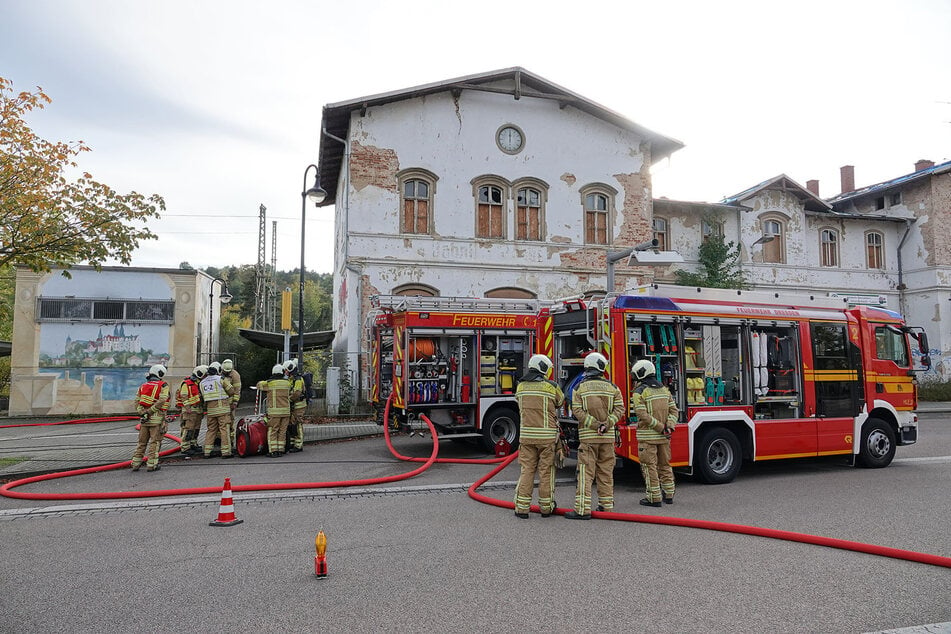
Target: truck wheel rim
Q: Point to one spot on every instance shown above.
(878, 444)
(720, 456)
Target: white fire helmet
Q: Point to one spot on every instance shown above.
(158, 370)
(541, 363)
(227, 365)
(200, 371)
(277, 369)
(216, 366)
(596, 361)
(643, 369)
(290, 366)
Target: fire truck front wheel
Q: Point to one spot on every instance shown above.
(718, 458)
(500, 423)
(878, 444)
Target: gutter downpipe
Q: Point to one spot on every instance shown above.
(346, 225)
(901, 272)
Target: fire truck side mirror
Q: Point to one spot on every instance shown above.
(923, 347)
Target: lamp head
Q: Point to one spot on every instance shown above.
(316, 194)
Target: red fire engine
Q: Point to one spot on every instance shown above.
(756, 375)
(457, 360)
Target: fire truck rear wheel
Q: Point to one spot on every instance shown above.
(718, 458)
(878, 444)
(500, 423)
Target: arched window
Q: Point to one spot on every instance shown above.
(774, 251)
(530, 196)
(491, 194)
(662, 233)
(416, 290)
(874, 250)
(510, 292)
(417, 187)
(598, 202)
(828, 247)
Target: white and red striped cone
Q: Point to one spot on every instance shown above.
(226, 509)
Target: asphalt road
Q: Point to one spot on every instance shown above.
(421, 556)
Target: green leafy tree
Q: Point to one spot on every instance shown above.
(719, 265)
(50, 218)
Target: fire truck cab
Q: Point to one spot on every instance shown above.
(755, 375)
(456, 360)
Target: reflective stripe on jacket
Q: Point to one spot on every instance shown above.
(594, 402)
(217, 392)
(298, 398)
(235, 379)
(278, 396)
(655, 409)
(538, 402)
(189, 396)
(153, 400)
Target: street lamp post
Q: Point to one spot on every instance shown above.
(316, 195)
(224, 297)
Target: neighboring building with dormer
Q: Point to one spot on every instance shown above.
(887, 244)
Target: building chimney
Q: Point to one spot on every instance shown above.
(847, 172)
(813, 187)
(923, 164)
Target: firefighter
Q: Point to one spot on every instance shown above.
(190, 404)
(295, 431)
(228, 372)
(278, 390)
(538, 401)
(598, 405)
(151, 403)
(217, 392)
(655, 412)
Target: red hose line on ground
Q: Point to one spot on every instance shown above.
(77, 421)
(6, 489)
(772, 533)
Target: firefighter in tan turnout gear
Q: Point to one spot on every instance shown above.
(217, 392)
(151, 403)
(656, 414)
(295, 431)
(228, 372)
(538, 401)
(278, 390)
(189, 401)
(598, 405)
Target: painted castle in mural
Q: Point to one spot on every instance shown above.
(116, 350)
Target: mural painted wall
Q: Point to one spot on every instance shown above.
(84, 345)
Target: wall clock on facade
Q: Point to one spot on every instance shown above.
(510, 139)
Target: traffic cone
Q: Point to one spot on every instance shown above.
(226, 509)
(320, 561)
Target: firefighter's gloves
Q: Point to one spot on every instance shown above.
(144, 418)
(601, 429)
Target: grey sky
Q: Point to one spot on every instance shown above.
(216, 105)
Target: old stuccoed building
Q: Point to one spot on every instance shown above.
(504, 184)
(501, 184)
